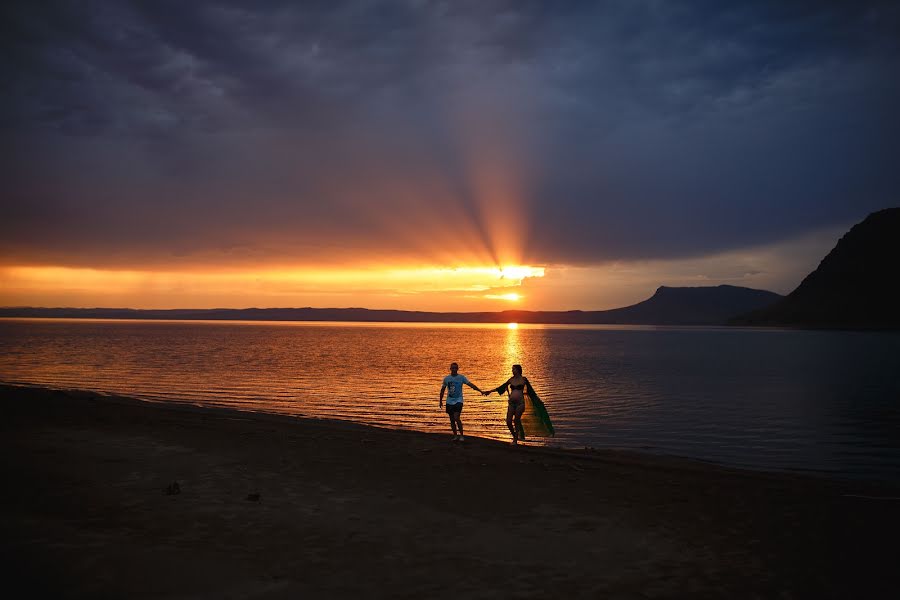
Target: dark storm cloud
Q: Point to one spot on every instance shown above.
(155, 131)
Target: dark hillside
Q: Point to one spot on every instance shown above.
(854, 287)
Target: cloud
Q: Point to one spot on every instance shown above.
(161, 133)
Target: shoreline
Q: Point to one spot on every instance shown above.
(621, 455)
(347, 509)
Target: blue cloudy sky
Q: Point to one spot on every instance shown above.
(660, 140)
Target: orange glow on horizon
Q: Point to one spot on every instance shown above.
(409, 288)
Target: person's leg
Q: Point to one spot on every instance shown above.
(452, 415)
(509, 423)
(520, 409)
(459, 424)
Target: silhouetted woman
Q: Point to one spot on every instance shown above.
(515, 388)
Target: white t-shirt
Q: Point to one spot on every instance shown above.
(454, 388)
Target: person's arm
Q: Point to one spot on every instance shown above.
(500, 389)
(441, 398)
(473, 386)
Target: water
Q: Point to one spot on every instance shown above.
(813, 401)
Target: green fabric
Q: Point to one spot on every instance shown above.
(535, 420)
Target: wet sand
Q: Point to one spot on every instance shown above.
(345, 510)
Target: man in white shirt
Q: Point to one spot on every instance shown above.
(453, 385)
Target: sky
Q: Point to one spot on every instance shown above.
(435, 155)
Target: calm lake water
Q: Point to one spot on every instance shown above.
(815, 401)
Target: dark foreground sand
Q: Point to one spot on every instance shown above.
(350, 511)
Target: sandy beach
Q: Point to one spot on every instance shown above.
(279, 507)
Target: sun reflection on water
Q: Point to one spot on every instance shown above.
(513, 354)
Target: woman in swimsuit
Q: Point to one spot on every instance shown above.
(515, 386)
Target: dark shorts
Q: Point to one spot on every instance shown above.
(454, 408)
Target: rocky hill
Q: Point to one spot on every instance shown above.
(854, 287)
(691, 306)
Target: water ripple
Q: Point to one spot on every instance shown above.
(785, 400)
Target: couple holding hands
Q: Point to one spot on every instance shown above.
(515, 386)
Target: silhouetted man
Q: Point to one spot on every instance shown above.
(453, 385)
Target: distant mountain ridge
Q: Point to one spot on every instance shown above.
(854, 287)
(692, 306)
(668, 306)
